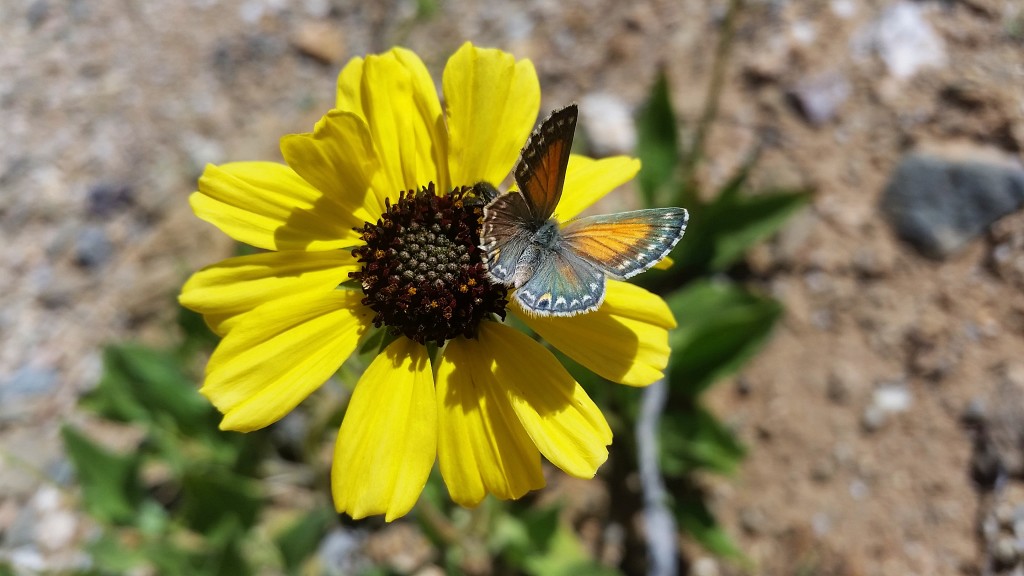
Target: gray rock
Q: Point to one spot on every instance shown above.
(939, 205)
(28, 381)
(92, 247)
(22, 531)
(37, 13)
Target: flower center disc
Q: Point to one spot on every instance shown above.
(423, 272)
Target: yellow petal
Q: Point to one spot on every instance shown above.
(350, 82)
(339, 159)
(482, 447)
(625, 340)
(268, 205)
(404, 115)
(564, 423)
(492, 104)
(429, 107)
(225, 291)
(665, 263)
(588, 180)
(279, 353)
(388, 439)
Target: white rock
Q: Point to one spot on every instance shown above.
(317, 8)
(858, 489)
(26, 559)
(705, 566)
(609, 124)
(906, 42)
(843, 8)
(804, 33)
(56, 530)
(46, 499)
(892, 398)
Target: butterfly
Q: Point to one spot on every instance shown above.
(560, 270)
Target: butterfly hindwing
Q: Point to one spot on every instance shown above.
(540, 173)
(628, 243)
(563, 284)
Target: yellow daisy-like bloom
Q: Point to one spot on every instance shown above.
(372, 223)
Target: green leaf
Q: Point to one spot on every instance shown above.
(745, 221)
(519, 535)
(145, 385)
(198, 335)
(111, 491)
(722, 231)
(114, 398)
(212, 497)
(720, 328)
(300, 540)
(657, 143)
(694, 439)
(223, 554)
(112, 555)
(565, 556)
(694, 518)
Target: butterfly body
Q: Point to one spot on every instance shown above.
(556, 269)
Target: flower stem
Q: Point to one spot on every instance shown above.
(722, 52)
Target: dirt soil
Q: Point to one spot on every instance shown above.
(863, 412)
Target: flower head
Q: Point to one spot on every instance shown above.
(374, 223)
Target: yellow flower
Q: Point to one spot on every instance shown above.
(372, 224)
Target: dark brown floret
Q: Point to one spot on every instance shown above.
(422, 270)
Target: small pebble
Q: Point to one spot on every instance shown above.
(753, 521)
(858, 490)
(821, 524)
(320, 40)
(104, 200)
(820, 97)
(704, 566)
(37, 13)
(823, 470)
(892, 398)
(1005, 514)
(92, 248)
(1005, 552)
(341, 552)
(873, 418)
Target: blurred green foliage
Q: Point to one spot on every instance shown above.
(188, 499)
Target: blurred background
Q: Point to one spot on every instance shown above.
(878, 429)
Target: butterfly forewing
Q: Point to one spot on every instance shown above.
(625, 244)
(505, 236)
(563, 284)
(540, 173)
